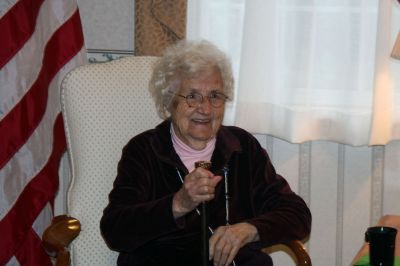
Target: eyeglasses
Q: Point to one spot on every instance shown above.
(195, 99)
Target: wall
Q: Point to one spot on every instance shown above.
(347, 188)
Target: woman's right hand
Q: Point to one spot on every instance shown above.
(198, 186)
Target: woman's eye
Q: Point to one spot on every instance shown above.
(191, 96)
(214, 95)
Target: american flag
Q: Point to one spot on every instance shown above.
(40, 41)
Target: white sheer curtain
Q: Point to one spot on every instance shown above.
(311, 69)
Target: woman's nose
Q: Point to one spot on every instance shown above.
(205, 106)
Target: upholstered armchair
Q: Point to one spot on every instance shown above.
(103, 105)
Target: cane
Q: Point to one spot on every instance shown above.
(204, 219)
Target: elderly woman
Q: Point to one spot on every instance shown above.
(153, 215)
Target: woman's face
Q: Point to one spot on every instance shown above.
(195, 126)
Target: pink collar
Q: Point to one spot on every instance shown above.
(189, 155)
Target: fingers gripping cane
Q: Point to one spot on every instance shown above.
(204, 219)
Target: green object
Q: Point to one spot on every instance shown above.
(364, 261)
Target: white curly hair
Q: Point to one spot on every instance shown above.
(186, 60)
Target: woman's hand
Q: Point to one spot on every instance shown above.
(198, 186)
(227, 240)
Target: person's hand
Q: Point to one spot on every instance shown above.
(198, 186)
(227, 240)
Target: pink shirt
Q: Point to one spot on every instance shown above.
(188, 155)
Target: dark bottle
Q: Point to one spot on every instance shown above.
(381, 241)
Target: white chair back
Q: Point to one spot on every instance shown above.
(103, 105)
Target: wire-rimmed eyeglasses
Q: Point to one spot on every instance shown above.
(195, 99)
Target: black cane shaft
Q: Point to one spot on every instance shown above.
(204, 220)
(204, 233)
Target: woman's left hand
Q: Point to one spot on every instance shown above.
(227, 240)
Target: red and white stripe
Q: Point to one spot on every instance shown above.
(41, 41)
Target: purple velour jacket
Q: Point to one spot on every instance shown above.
(138, 221)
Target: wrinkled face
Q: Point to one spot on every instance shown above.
(195, 126)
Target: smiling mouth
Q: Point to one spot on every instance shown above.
(201, 121)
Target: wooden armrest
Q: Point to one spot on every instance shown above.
(57, 237)
(300, 252)
(295, 249)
